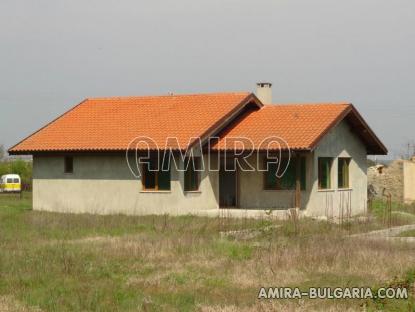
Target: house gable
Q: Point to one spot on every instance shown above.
(299, 126)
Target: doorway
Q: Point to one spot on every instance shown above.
(228, 193)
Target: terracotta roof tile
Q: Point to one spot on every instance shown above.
(300, 125)
(111, 123)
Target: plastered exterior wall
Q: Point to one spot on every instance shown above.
(104, 185)
(332, 203)
(340, 142)
(409, 181)
(253, 195)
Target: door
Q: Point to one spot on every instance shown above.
(228, 189)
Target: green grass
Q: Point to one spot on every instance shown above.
(233, 249)
(410, 233)
(82, 262)
(400, 213)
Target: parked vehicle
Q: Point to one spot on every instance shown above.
(10, 183)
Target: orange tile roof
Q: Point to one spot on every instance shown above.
(301, 126)
(111, 123)
(298, 124)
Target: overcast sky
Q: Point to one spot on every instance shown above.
(55, 53)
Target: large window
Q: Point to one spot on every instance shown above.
(324, 169)
(191, 175)
(343, 173)
(288, 180)
(68, 164)
(156, 175)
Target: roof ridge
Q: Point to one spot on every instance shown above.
(309, 103)
(166, 95)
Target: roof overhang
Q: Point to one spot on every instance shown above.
(374, 145)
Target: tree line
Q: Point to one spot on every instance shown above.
(17, 166)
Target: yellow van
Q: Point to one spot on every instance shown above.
(10, 183)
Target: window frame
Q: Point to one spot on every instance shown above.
(343, 160)
(328, 175)
(68, 167)
(278, 181)
(156, 176)
(196, 171)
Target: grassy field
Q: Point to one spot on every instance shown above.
(64, 262)
(410, 233)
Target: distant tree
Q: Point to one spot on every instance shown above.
(2, 152)
(22, 168)
(17, 166)
(4, 168)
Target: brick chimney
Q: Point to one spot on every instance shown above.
(264, 92)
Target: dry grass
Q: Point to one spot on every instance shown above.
(9, 304)
(116, 263)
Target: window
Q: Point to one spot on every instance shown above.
(9, 180)
(15, 180)
(288, 180)
(191, 175)
(324, 167)
(68, 167)
(343, 172)
(156, 176)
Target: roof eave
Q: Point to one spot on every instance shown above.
(378, 148)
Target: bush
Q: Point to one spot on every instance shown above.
(18, 166)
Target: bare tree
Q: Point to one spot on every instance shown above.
(407, 150)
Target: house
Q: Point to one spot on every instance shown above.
(396, 179)
(247, 156)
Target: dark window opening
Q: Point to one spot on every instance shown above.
(288, 180)
(156, 175)
(343, 172)
(324, 169)
(191, 175)
(68, 164)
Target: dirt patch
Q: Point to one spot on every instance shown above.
(386, 233)
(9, 304)
(248, 233)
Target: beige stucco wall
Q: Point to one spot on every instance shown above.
(253, 195)
(409, 181)
(340, 142)
(104, 185)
